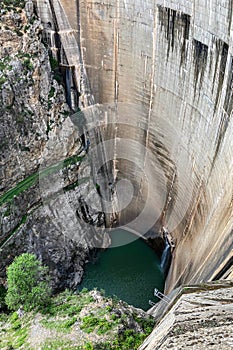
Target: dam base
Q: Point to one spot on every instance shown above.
(128, 269)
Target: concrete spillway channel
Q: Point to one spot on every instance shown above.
(161, 76)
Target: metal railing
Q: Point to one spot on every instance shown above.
(161, 296)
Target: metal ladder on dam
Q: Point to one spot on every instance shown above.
(161, 296)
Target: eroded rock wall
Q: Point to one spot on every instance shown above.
(45, 175)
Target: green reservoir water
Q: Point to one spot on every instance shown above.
(129, 271)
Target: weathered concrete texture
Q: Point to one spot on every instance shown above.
(199, 319)
(173, 60)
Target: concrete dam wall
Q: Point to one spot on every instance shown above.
(161, 73)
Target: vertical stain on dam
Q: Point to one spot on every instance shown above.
(173, 65)
(176, 26)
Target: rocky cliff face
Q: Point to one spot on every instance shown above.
(35, 134)
(32, 102)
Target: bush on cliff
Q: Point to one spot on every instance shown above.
(28, 283)
(2, 297)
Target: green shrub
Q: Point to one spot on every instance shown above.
(2, 65)
(88, 346)
(28, 283)
(2, 81)
(60, 325)
(58, 77)
(2, 297)
(16, 3)
(51, 92)
(84, 291)
(53, 63)
(16, 325)
(27, 64)
(14, 317)
(91, 323)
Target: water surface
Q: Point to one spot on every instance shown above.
(129, 271)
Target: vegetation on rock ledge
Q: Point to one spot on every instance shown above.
(28, 283)
(84, 320)
(13, 3)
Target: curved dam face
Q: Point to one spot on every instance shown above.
(162, 74)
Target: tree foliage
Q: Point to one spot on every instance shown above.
(28, 283)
